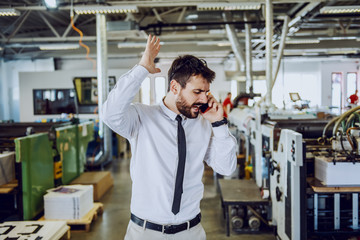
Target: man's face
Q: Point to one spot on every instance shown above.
(192, 96)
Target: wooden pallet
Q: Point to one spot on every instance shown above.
(66, 235)
(9, 187)
(84, 223)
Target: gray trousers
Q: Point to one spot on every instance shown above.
(135, 232)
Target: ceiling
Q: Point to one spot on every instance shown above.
(181, 27)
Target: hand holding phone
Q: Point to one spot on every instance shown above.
(203, 108)
(212, 110)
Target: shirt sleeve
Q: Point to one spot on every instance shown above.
(221, 153)
(118, 113)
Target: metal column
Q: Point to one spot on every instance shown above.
(269, 50)
(103, 83)
(248, 56)
(284, 32)
(336, 211)
(235, 45)
(316, 205)
(355, 208)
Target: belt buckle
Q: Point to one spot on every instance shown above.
(164, 226)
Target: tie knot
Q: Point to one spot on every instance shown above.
(178, 118)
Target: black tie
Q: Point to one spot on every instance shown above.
(181, 167)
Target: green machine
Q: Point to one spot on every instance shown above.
(48, 159)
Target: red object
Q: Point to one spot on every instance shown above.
(354, 99)
(226, 102)
(243, 101)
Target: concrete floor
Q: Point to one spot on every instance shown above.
(112, 224)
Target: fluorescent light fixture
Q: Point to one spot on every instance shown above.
(337, 38)
(192, 17)
(51, 4)
(214, 43)
(9, 12)
(302, 41)
(228, 6)
(311, 54)
(58, 46)
(94, 9)
(340, 9)
(131, 45)
(139, 44)
(342, 51)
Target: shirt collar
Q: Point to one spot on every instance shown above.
(168, 112)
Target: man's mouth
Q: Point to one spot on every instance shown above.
(196, 107)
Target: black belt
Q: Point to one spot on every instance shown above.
(168, 229)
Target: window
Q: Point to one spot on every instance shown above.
(336, 93)
(145, 91)
(351, 86)
(160, 90)
(234, 89)
(53, 101)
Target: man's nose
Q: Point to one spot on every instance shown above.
(204, 97)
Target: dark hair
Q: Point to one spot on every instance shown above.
(183, 67)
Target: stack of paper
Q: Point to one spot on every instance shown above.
(68, 202)
(340, 173)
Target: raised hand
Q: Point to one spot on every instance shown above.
(151, 51)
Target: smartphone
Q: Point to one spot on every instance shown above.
(203, 108)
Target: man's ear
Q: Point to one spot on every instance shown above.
(174, 87)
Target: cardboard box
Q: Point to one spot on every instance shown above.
(101, 181)
(7, 167)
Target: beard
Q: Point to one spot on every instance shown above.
(185, 108)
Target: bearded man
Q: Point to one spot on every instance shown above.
(170, 143)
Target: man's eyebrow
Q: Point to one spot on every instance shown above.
(200, 90)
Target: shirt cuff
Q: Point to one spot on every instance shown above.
(221, 131)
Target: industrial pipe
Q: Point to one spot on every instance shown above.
(269, 50)
(342, 117)
(248, 51)
(284, 32)
(328, 125)
(235, 44)
(103, 88)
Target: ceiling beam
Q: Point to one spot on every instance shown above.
(158, 17)
(181, 15)
(69, 27)
(59, 20)
(49, 25)
(169, 3)
(25, 16)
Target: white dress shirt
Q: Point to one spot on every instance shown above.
(152, 132)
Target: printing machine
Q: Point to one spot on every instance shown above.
(309, 173)
(46, 155)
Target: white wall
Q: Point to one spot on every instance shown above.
(344, 66)
(54, 79)
(298, 76)
(9, 84)
(310, 77)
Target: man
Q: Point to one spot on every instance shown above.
(227, 105)
(169, 143)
